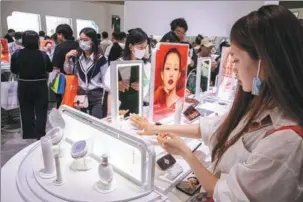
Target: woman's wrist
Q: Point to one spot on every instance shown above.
(156, 130)
(187, 154)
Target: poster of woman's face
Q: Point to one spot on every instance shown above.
(227, 84)
(170, 78)
(47, 46)
(4, 51)
(226, 66)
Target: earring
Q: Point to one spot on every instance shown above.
(257, 82)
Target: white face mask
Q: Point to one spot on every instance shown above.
(85, 45)
(139, 53)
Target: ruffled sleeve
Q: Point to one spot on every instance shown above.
(272, 172)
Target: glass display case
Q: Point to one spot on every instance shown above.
(131, 157)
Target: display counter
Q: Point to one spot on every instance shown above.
(133, 158)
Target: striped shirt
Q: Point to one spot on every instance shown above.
(91, 74)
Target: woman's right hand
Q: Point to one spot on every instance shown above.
(142, 123)
(72, 53)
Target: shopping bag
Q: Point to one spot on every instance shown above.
(71, 90)
(9, 95)
(58, 85)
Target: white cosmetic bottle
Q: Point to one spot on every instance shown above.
(106, 183)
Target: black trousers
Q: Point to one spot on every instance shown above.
(33, 101)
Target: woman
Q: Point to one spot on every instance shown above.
(256, 155)
(90, 67)
(135, 49)
(32, 66)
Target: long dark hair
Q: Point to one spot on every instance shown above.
(135, 36)
(273, 35)
(30, 40)
(92, 34)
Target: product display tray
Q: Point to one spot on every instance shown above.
(78, 186)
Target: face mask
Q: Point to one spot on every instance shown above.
(257, 82)
(139, 53)
(19, 41)
(85, 45)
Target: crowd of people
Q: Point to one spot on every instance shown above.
(89, 58)
(256, 148)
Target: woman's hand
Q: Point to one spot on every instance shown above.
(72, 53)
(173, 144)
(142, 123)
(123, 86)
(135, 86)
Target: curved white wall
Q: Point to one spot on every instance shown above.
(210, 18)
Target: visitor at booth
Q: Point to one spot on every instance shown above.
(65, 43)
(105, 41)
(135, 49)
(90, 66)
(118, 38)
(42, 35)
(10, 35)
(257, 148)
(17, 44)
(32, 66)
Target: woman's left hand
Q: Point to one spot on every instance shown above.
(135, 86)
(173, 144)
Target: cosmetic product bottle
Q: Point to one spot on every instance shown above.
(48, 158)
(106, 173)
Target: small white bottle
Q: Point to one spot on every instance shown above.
(106, 174)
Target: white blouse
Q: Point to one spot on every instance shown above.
(258, 168)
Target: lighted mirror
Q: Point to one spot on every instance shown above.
(126, 88)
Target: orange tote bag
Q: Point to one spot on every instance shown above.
(71, 90)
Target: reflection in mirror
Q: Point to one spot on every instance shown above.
(127, 88)
(205, 66)
(128, 96)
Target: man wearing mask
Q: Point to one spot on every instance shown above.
(10, 36)
(66, 43)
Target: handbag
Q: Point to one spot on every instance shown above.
(9, 94)
(71, 90)
(58, 84)
(81, 101)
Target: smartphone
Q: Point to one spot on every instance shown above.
(166, 162)
(189, 185)
(191, 113)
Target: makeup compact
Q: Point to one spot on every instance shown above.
(79, 152)
(79, 149)
(191, 113)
